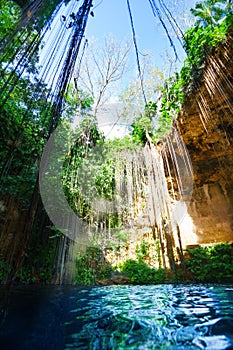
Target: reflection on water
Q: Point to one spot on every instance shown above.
(120, 317)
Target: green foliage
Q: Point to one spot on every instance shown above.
(89, 171)
(105, 181)
(171, 100)
(4, 269)
(198, 42)
(91, 267)
(38, 264)
(57, 232)
(122, 236)
(119, 238)
(139, 128)
(143, 124)
(211, 263)
(118, 145)
(140, 273)
(25, 120)
(74, 100)
(211, 12)
(84, 168)
(142, 249)
(16, 39)
(23, 128)
(116, 222)
(211, 26)
(26, 274)
(46, 11)
(150, 109)
(9, 17)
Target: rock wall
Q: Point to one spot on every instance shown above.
(157, 221)
(206, 125)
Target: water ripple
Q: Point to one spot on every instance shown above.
(156, 317)
(161, 317)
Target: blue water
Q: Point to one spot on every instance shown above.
(119, 317)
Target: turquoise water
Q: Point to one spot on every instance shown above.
(120, 317)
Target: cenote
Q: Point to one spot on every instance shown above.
(120, 317)
(116, 185)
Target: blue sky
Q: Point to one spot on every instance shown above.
(111, 16)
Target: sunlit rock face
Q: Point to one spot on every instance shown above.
(206, 125)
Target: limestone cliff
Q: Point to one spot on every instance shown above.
(206, 125)
(191, 170)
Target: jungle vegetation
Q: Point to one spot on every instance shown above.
(26, 117)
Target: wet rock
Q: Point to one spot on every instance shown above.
(115, 279)
(120, 279)
(104, 282)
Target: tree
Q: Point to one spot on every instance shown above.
(132, 97)
(211, 12)
(142, 126)
(37, 12)
(77, 103)
(102, 67)
(28, 116)
(9, 17)
(82, 166)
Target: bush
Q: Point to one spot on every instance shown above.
(212, 263)
(140, 273)
(198, 43)
(91, 267)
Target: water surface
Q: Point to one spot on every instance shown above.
(119, 317)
